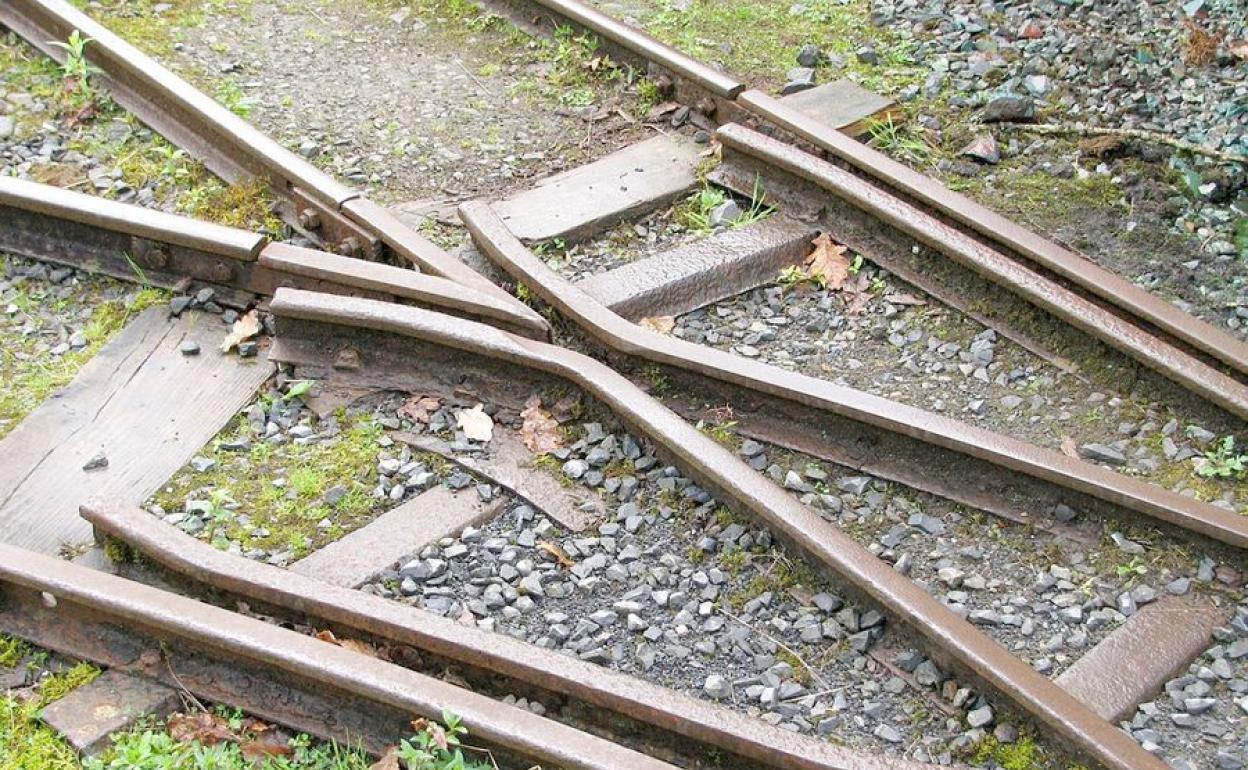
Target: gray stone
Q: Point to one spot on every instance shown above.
(717, 687)
(980, 717)
(1009, 108)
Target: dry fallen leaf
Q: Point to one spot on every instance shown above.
(202, 727)
(436, 733)
(858, 294)
(243, 329)
(388, 761)
(828, 261)
(475, 423)
(539, 431)
(1068, 447)
(420, 408)
(1238, 49)
(663, 324)
(554, 550)
(354, 645)
(1101, 146)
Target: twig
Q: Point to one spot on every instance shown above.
(823, 683)
(475, 79)
(186, 693)
(1082, 129)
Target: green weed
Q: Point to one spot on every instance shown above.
(1223, 461)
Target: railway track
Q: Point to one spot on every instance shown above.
(346, 313)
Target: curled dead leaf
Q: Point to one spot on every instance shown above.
(201, 727)
(243, 329)
(554, 550)
(539, 430)
(420, 408)
(475, 423)
(354, 645)
(663, 324)
(1238, 49)
(828, 263)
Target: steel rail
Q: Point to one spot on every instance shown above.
(310, 325)
(504, 249)
(1153, 314)
(1148, 308)
(231, 147)
(267, 670)
(1062, 303)
(139, 244)
(679, 718)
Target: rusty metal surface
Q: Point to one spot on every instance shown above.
(726, 476)
(661, 709)
(227, 144)
(265, 669)
(982, 220)
(704, 271)
(410, 245)
(344, 274)
(1136, 659)
(137, 221)
(1081, 313)
(1036, 462)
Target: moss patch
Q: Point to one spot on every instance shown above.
(25, 743)
(759, 41)
(273, 496)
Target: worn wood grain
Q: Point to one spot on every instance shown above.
(430, 516)
(141, 402)
(590, 198)
(845, 106)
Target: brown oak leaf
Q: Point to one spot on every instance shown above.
(663, 324)
(1069, 448)
(828, 262)
(420, 408)
(243, 329)
(554, 550)
(539, 430)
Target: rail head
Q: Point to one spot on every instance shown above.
(91, 210)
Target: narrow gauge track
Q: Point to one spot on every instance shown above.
(272, 672)
(313, 326)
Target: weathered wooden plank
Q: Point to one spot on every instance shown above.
(704, 271)
(1134, 661)
(580, 202)
(141, 402)
(844, 105)
(426, 518)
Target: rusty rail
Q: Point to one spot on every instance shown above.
(274, 673)
(138, 244)
(233, 149)
(799, 391)
(690, 727)
(312, 328)
(1198, 343)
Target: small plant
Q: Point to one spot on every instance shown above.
(793, 276)
(1135, 567)
(699, 207)
(233, 99)
(648, 94)
(437, 747)
(657, 379)
(76, 70)
(1223, 461)
(897, 139)
(855, 265)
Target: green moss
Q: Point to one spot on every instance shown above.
(32, 374)
(1022, 754)
(758, 41)
(12, 650)
(25, 743)
(285, 514)
(1043, 199)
